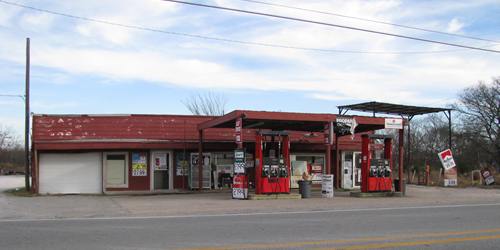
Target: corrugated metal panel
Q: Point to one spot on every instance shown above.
(94, 131)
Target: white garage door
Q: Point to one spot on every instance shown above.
(70, 173)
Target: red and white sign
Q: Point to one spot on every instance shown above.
(393, 123)
(238, 131)
(446, 158)
(450, 177)
(240, 186)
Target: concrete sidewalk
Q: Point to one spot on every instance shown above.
(78, 206)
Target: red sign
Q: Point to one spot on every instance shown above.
(447, 159)
(238, 131)
(240, 186)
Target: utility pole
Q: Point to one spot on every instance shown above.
(27, 119)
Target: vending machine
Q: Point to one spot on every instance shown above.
(272, 162)
(376, 164)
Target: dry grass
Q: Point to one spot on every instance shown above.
(464, 180)
(21, 192)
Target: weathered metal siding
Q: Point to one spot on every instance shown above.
(69, 132)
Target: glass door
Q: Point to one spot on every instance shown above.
(161, 166)
(356, 177)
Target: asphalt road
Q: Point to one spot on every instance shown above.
(431, 227)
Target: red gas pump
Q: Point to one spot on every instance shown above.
(376, 165)
(272, 162)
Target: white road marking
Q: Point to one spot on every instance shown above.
(250, 214)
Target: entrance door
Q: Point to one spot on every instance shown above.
(351, 169)
(356, 177)
(347, 167)
(162, 176)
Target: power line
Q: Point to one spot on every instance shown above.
(332, 25)
(17, 96)
(370, 20)
(219, 39)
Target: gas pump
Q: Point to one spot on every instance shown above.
(376, 165)
(272, 162)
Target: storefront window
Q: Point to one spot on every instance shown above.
(116, 169)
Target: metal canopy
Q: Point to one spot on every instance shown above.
(390, 108)
(403, 111)
(271, 120)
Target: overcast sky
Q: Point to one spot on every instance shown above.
(85, 67)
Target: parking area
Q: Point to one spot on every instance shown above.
(96, 206)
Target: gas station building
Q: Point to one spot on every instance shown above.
(82, 154)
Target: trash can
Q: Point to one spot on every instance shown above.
(396, 186)
(305, 189)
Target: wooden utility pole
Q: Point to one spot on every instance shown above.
(27, 119)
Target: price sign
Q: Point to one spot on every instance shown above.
(240, 193)
(240, 187)
(239, 161)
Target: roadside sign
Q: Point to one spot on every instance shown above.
(327, 186)
(393, 123)
(239, 161)
(487, 177)
(450, 177)
(446, 159)
(240, 187)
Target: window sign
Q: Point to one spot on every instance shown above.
(139, 166)
(160, 160)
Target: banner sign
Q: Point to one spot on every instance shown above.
(238, 129)
(328, 132)
(139, 167)
(393, 123)
(446, 159)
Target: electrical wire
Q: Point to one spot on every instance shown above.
(333, 25)
(220, 39)
(370, 20)
(17, 96)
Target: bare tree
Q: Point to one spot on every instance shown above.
(479, 107)
(11, 150)
(208, 103)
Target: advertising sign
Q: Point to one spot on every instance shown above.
(450, 177)
(446, 159)
(317, 173)
(240, 187)
(487, 177)
(238, 131)
(139, 166)
(394, 123)
(239, 161)
(346, 125)
(327, 186)
(182, 168)
(160, 160)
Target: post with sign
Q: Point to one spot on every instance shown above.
(487, 177)
(450, 168)
(240, 180)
